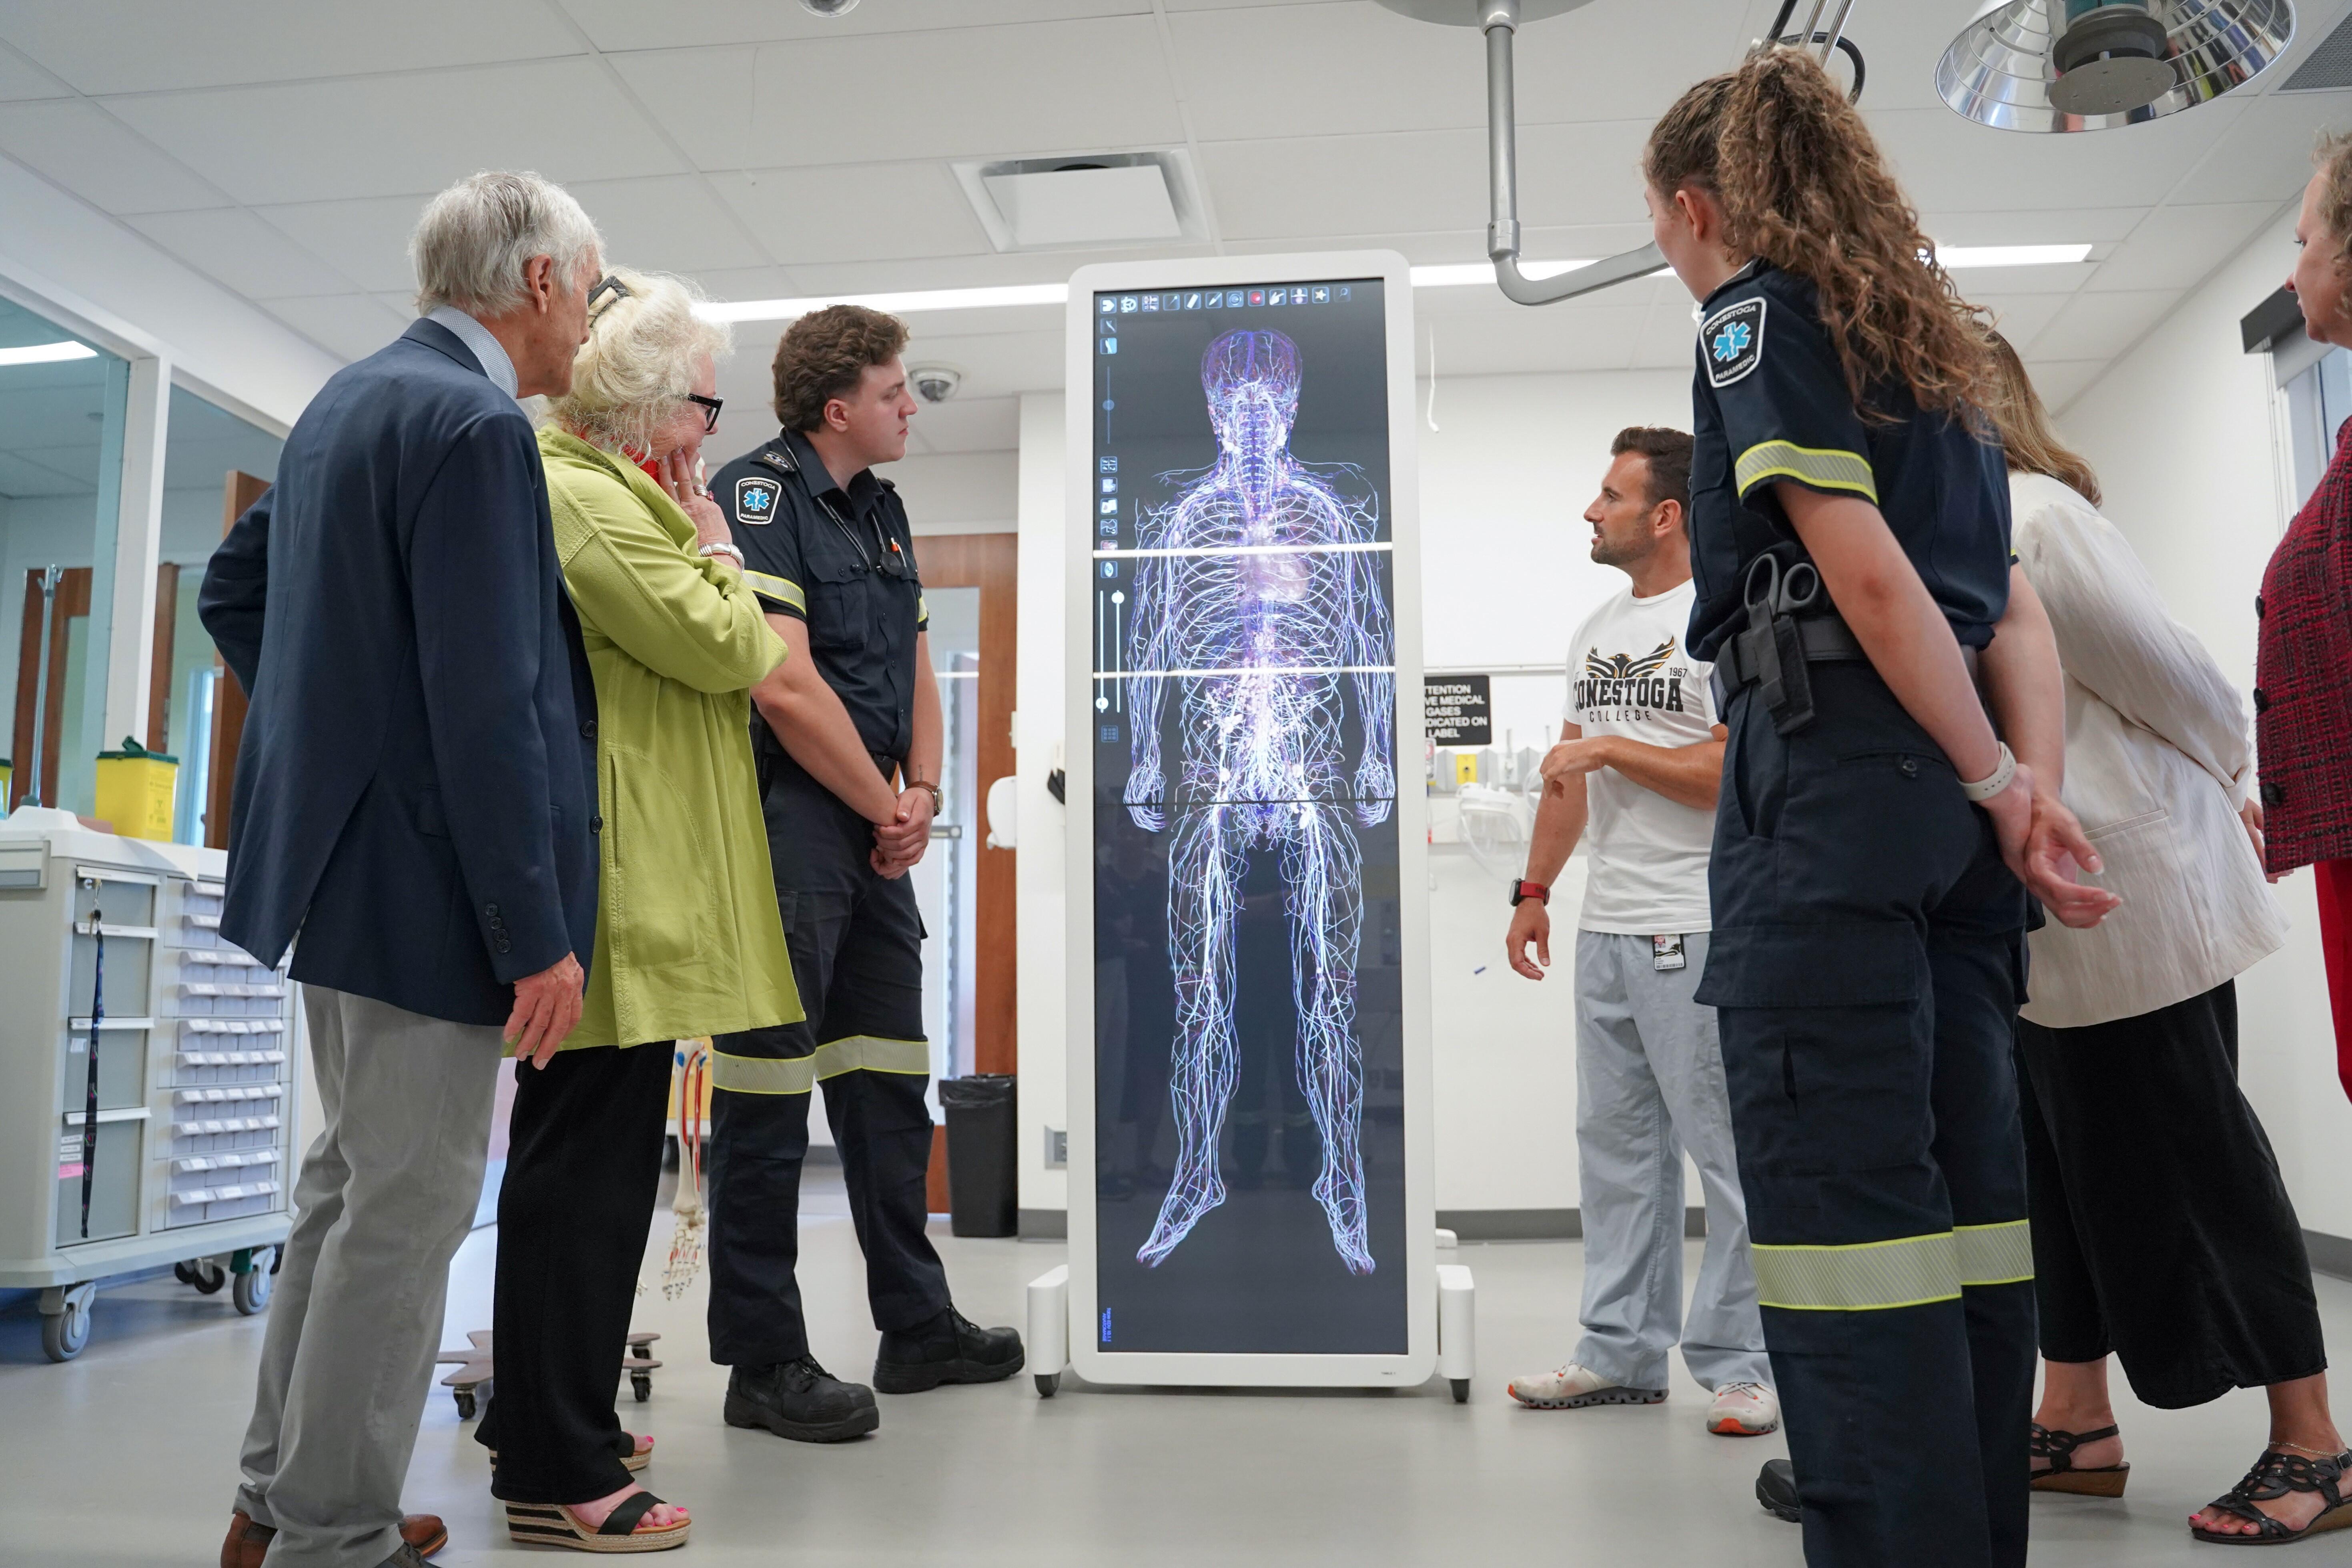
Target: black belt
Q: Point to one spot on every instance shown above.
(1760, 654)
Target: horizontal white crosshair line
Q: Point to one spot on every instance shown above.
(1246, 670)
(1248, 550)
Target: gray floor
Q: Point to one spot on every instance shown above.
(127, 1455)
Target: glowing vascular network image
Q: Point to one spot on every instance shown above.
(1258, 599)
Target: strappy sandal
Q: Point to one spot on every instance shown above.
(554, 1524)
(2063, 1475)
(634, 1460)
(2274, 1475)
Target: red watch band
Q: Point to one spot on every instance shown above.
(1538, 892)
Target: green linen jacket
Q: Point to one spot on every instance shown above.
(688, 938)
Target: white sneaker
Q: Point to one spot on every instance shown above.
(1573, 1388)
(1743, 1410)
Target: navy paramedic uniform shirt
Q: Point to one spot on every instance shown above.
(810, 549)
(1770, 403)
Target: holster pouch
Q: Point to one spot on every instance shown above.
(1772, 654)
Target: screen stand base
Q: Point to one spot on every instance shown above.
(1048, 1340)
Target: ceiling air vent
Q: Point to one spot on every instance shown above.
(2328, 67)
(1114, 199)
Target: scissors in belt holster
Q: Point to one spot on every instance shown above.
(1772, 649)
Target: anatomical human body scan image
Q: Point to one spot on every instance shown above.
(1249, 1126)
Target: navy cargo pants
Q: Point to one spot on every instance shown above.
(857, 945)
(1867, 964)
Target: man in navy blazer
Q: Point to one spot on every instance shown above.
(416, 797)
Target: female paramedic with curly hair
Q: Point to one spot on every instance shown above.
(1850, 541)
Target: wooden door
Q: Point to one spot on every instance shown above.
(228, 697)
(985, 561)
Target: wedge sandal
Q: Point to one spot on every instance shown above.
(633, 1461)
(554, 1524)
(2274, 1475)
(2065, 1476)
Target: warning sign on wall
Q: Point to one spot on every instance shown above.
(1459, 710)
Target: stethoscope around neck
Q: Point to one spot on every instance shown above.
(889, 562)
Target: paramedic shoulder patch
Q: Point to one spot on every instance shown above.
(755, 500)
(1733, 342)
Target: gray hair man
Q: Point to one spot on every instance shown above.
(415, 794)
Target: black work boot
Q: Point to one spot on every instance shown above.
(950, 1348)
(1776, 1488)
(799, 1400)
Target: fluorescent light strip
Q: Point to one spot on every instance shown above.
(46, 353)
(1450, 275)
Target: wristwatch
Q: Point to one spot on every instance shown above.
(1523, 890)
(938, 800)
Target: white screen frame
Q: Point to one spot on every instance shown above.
(1292, 1370)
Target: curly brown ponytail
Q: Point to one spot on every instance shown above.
(1803, 186)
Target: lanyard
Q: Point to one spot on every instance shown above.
(89, 1096)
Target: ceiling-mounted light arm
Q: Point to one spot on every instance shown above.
(1499, 19)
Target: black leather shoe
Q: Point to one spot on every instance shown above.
(1776, 1488)
(799, 1400)
(950, 1348)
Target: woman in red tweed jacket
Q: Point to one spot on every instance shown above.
(2303, 692)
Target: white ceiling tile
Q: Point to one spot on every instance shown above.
(703, 97)
(368, 238)
(21, 79)
(1079, 87)
(745, 282)
(2060, 382)
(1975, 280)
(1348, 185)
(149, 45)
(97, 157)
(669, 223)
(2266, 155)
(1530, 339)
(2177, 245)
(616, 24)
(1613, 60)
(1372, 71)
(2100, 326)
(240, 250)
(2020, 318)
(2054, 225)
(855, 212)
(352, 325)
(1948, 164)
(377, 136)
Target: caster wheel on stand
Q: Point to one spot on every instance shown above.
(1461, 1390)
(202, 1274)
(464, 1398)
(641, 1384)
(63, 1334)
(252, 1292)
(1049, 1384)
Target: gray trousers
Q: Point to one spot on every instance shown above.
(1649, 1085)
(386, 1194)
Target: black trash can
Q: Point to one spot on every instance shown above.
(983, 1176)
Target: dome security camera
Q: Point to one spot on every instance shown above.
(828, 7)
(934, 383)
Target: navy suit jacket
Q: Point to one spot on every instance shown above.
(414, 791)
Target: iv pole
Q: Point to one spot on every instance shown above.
(49, 578)
(1500, 20)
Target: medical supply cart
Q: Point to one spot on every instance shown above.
(113, 945)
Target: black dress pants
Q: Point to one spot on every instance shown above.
(2162, 1231)
(584, 1163)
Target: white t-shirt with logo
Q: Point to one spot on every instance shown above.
(1628, 675)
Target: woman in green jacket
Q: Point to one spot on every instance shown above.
(687, 939)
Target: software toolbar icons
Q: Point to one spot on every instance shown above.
(1342, 293)
(1109, 464)
(1127, 304)
(1278, 296)
(1322, 294)
(1257, 295)
(1110, 345)
(1110, 487)
(1192, 301)
(1151, 301)
(1109, 305)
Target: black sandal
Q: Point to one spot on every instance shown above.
(2274, 1475)
(2063, 1475)
(554, 1524)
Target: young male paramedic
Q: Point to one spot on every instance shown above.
(1639, 761)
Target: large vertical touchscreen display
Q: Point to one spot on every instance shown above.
(1249, 1123)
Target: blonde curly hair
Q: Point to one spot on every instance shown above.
(632, 374)
(2332, 159)
(1802, 184)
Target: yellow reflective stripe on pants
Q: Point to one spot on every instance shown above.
(799, 1075)
(1995, 1254)
(783, 589)
(1867, 1277)
(1829, 470)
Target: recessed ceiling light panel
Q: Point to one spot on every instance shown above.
(2093, 65)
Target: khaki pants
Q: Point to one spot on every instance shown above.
(386, 1194)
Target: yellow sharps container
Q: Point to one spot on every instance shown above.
(135, 791)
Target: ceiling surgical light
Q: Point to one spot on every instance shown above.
(46, 353)
(2090, 65)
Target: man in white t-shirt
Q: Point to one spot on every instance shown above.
(1635, 775)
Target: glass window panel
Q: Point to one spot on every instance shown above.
(207, 447)
(61, 413)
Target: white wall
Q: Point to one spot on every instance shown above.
(2184, 434)
(1504, 577)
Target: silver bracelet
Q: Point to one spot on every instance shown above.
(723, 548)
(1993, 782)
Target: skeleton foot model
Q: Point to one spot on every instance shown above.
(1258, 596)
